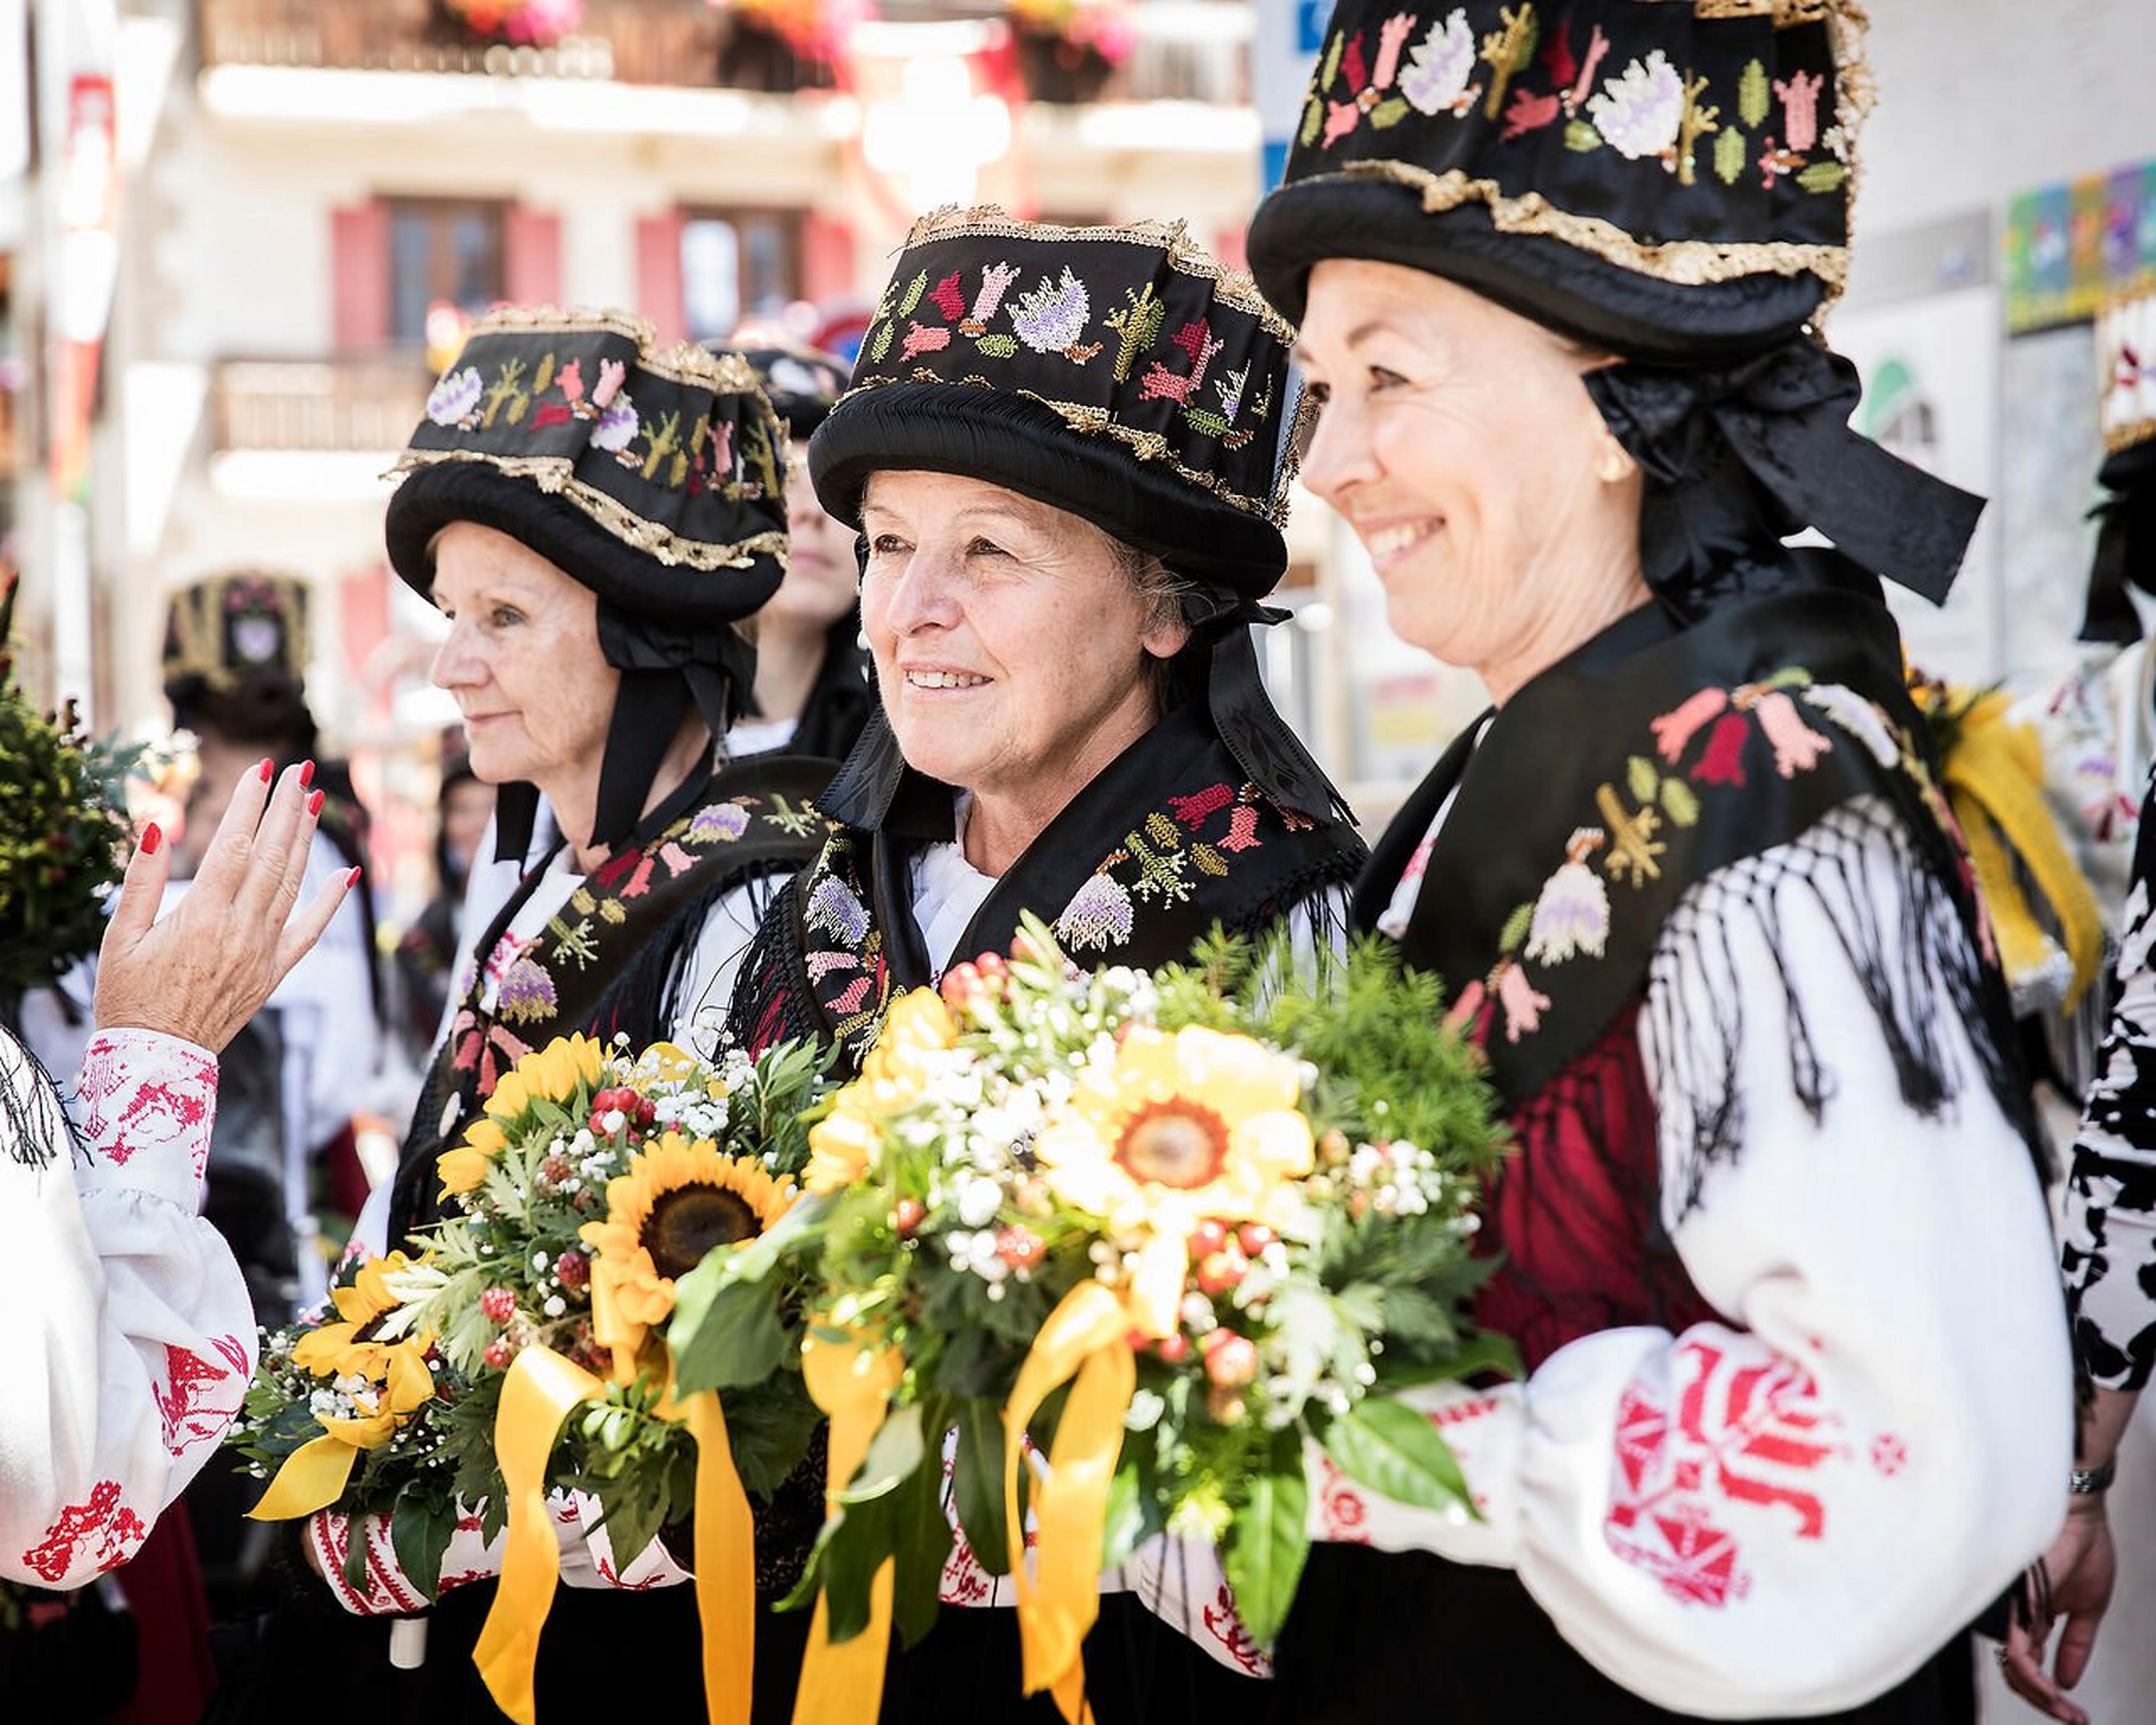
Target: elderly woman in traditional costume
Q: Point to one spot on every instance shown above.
(1061, 452)
(594, 517)
(1772, 1242)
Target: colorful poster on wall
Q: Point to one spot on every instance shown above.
(2070, 246)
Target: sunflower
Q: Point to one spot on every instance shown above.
(463, 1169)
(551, 1074)
(675, 1202)
(916, 1028)
(387, 1401)
(1181, 1127)
(349, 1347)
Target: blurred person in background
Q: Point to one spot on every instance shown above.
(428, 950)
(812, 693)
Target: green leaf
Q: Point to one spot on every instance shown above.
(997, 345)
(1516, 928)
(1269, 1539)
(1752, 96)
(724, 1335)
(1823, 177)
(420, 1529)
(914, 289)
(881, 345)
(977, 1480)
(922, 1535)
(1580, 135)
(895, 1454)
(856, 1544)
(1477, 1355)
(1642, 777)
(1681, 803)
(1730, 149)
(1125, 1526)
(1387, 1445)
(1389, 113)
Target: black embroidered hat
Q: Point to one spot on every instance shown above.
(1116, 372)
(1666, 178)
(244, 627)
(654, 478)
(2126, 416)
(803, 382)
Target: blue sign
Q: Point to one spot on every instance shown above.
(1310, 19)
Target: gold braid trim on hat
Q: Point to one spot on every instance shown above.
(724, 373)
(1231, 287)
(556, 476)
(1688, 263)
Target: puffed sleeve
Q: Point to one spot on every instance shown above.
(130, 1337)
(1787, 1511)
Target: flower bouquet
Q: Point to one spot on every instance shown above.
(527, 1348)
(522, 23)
(1164, 1230)
(1067, 48)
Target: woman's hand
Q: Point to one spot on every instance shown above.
(2081, 1567)
(201, 972)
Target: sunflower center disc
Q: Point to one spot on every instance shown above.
(685, 1225)
(1174, 1145)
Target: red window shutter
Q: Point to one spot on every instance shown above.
(359, 275)
(531, 256)
(1227, 247)
(827, 258)
(659, 273)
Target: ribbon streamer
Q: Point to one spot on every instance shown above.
(1085, 1344)
(537, 1394)
(852, 1381)
(313, 1477)
(725, 1566)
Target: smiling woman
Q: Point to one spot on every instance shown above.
(1061, 450)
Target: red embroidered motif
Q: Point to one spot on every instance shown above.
(184, 1402)
(606, 1573)
(1226, 1628)
(156, 1117)
(117, 1528)
(1765, 1418)
(1191, 812)
(1723, 763)
(1889, 1454)
(1341, 1507)
(965, 1582)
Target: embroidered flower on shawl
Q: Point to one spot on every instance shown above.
(1098, 916)
(527, 993)
(1860, 718)
(1572, 913)
(1797, 747)
(720, 823)
(1640, 111)
(1439, 65)
(454, 401)
(833, 908)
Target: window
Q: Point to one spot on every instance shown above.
(735, 265)
(442, 248)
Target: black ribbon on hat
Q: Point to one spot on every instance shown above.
(2125, 548)
(1766, 443)
(665, 666)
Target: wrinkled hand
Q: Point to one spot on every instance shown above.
(2082, 1567)
(203, 971)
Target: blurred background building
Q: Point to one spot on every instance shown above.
(236, 237)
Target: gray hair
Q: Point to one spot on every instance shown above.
(1160, 591)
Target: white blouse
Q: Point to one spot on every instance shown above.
(129, 1336)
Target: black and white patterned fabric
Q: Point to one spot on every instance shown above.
(2110, 1222)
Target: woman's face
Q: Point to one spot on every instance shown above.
(522, 660)
(1009, 645)
(821, 579)
(1459, 441)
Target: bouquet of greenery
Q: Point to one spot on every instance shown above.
(1165, 1229)
(526, 1349)
(64, 832)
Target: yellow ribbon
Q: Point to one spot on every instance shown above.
(1993, 778)
(313, 1477)
(537, 1394)
(725, 1566)
(1085, 1339)
(852, 1381)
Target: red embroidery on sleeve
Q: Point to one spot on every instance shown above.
(1226, 1627)
(118, 1530)
(1742, 1435)
(156, 1117)
(190, 1414)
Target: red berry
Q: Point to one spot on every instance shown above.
(1254, 1237)
(1231, 1360)
(554, 1170)
(1221, 1271)
(572, 1269)
(1020, 1247)
(499, 1354)
(647, 1110)
(1174, 1349)
(961, 984)
(991, 966)
(906, 1215)
(1206, 1238)
(499, 1304)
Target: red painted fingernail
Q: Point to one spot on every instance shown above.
(264, 771)
(152, 839)
(351, 878)
(314, 802)
(306, 774)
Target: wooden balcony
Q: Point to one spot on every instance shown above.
(365, 406)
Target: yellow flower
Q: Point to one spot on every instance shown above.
(675, 1202)
(463, 1169)
(396, 1374)
(842, 1145)
(551, 1074)
(1181, 1127)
